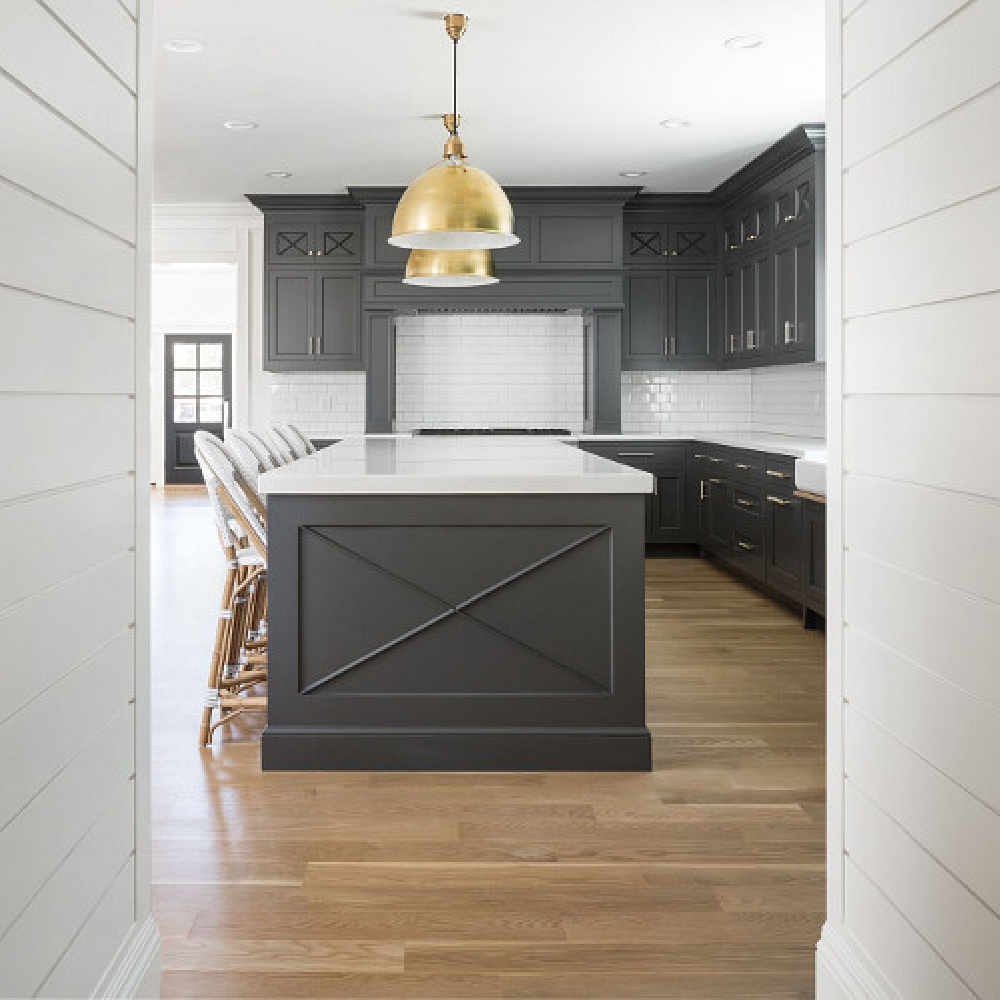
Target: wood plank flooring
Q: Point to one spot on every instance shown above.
(703, 879)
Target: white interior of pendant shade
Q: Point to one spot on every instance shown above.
(451, 281)
(455, 239)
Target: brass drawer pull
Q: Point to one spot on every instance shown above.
(775, 474)
(745, 503)
(743, 465)
(746, 546)
(779, 501)
(711, 459)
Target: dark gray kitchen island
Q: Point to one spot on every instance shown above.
(455, 604)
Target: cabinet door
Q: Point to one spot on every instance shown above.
(734, 312)
(291, 315)
(338, 311)
(794, 298)
(814, 553)
(691, 243)
(289, 238)
(668, 508)
(647, 317)
(337, 241)
(646, 243)
(719, 518)
(783, 569)
(691, 315)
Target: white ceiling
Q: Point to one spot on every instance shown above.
(551, 91)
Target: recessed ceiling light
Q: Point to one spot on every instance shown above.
(278, 175)
(240, 126)
(674, 123)
(187, 46)
(633, 173)
(743, 42)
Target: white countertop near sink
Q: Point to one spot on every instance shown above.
(452, 465)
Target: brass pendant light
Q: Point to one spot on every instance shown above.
(450, 268)
(454, 206)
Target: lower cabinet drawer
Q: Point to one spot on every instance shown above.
(748, 502)
(748, 550)
(644, 455)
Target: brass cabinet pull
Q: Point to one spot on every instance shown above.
(701, 490)
(746, 546)
(745, 503)
(779, 501)
(713, 459)
(742, 465)
(699, 456)
(716, 481)
(666, 345)
(673, 345)
(774, 473)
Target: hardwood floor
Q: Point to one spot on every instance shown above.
(702, 879)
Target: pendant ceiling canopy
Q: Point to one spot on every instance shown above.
(454, 206)
(450, 268)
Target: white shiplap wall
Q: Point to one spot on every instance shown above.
(914, 901)
(74, 195)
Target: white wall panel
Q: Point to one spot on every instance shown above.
(942, 256)
(61, 627)
(61, 534)
(63, 166)
(954, 731)
(958, 926)
(73, 439)
(925, 349)
(95, 349)
(952, 634)
(106, 28)
(37, 51)
(916, 971)
(33, 946)
(961, 834)
(877, 34)
(44, 250)
(59, 816)
(86, 698)
(947, 68)
(951, 160)
(949, 537)
(945, 441)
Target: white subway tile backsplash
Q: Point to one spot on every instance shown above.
(322, 404)
(504, 370)
(790, 400)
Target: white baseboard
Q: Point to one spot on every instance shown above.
(844, 970)
(135, 970)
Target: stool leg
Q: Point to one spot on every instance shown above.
(223, 632)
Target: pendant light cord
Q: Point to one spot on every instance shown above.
(454, 85)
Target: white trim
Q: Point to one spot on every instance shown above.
(206, 212)
(845, 972)
(135, 970)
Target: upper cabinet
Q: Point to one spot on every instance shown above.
(302, 238)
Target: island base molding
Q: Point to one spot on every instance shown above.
(502, 750)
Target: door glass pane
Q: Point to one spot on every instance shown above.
(211, 356)
(210, 383)
(185, 411)
(185, 355)
(185, 384)
(211, 409)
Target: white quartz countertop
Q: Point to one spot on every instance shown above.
(433, 465)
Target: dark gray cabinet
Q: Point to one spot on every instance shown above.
(302, 238)
(795, 299)
(670, 319)
(814, 555)
(749, 312)
(313, 320)
(649, 242)
(783, 561)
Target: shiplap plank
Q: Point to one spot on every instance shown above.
(47, 829)
(950, 66)
(85, 701)
(946, 255)
(44, 250)
(63, 166)
(38, 51)
(58, 629)
(944, 441)
(959, 927)
(901, 953)
(95, 350)
(877, 34)
(909, 351)
(92, 950)
(953, 159)
(953, 730)
(106, 28)
(73, 439)
(61, 534)
(959, 832)
(850, 7)
(965, 556)
(34, 945)
(950, 633)
(132, 6)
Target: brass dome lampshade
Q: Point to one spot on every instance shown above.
(454, 206)
(450, 268)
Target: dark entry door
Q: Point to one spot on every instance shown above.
(196, 396)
